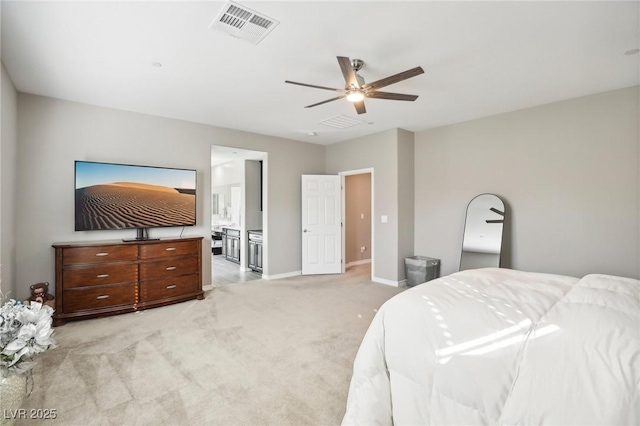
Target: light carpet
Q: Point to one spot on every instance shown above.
(257, 353)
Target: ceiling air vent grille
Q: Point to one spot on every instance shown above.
(340, 122)
(243, 23)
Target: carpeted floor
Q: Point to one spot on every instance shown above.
(257, 353)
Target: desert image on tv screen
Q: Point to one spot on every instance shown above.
(115, 196)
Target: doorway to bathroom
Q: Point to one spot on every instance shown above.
(238, 215)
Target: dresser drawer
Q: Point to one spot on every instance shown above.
(99, 297)
(168, 268)
(109, 273)
(180, 248)
(92, 254)
(168, 287)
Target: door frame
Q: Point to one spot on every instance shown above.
(344, 214)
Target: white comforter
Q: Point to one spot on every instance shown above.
(498, 346)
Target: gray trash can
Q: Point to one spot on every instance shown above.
(420, 269)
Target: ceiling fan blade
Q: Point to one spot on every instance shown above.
(394, 78)
(360, 107)
(392, 96)
(347, 72)
(314, 86)
(324, 102)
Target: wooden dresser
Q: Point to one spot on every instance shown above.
(112, 277)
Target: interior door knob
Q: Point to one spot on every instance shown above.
(305, 230)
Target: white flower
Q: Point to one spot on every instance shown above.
(25, 330)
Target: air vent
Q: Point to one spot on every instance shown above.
(243, 23)
(340, 122)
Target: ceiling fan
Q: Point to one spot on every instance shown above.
(356, 89)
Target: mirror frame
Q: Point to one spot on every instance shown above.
(500, 209)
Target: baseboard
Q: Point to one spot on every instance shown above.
(264, 277)
(281, 276)
(359, 262)
(401, 283)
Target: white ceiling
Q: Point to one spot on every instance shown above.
(480, 59)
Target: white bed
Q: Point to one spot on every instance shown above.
(498, 346)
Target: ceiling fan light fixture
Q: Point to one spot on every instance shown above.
(355, 96)
(356, 90)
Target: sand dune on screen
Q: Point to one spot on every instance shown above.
(143, 186)
(126, 205)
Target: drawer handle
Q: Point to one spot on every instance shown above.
(171, 286)
(170, 248)
(104, 253)
(102, 276)
(106, 296)
(170, 268)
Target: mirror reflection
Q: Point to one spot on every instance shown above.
(218, 204)
(482, 241)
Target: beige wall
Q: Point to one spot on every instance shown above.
(567, 172)
(406, 195)
(253, 213)
(357, 217)
(378, 151)
(8, 149)
(383, 152)
(53, 133)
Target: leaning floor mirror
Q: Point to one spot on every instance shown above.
(482, 240)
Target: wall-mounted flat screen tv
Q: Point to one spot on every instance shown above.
(122, 196)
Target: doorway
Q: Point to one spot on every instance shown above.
(238, 214)
(358, 235)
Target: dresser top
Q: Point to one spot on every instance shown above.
(113, 242)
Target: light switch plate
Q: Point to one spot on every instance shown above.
(384, 219)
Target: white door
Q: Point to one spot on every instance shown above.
(321, 225)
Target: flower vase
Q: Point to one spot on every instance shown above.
(12, 392)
